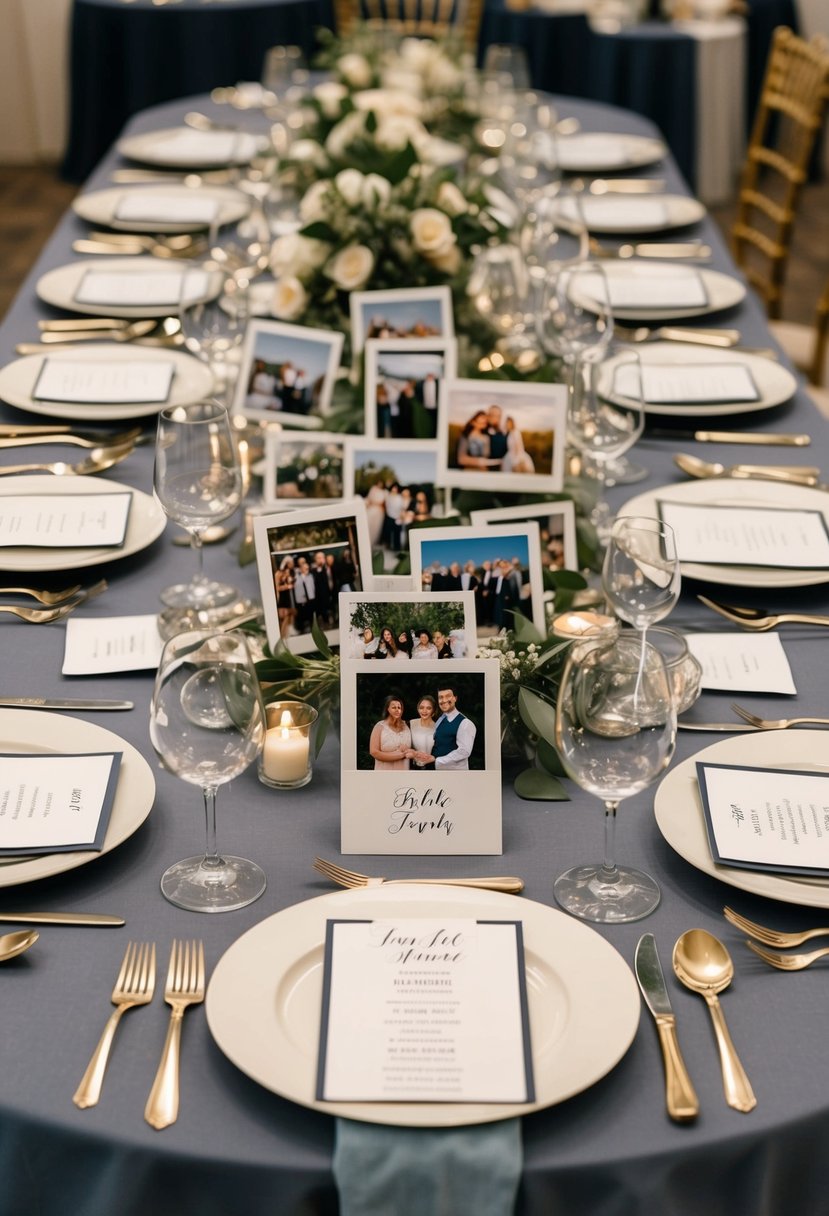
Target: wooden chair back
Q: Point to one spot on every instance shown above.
(420, 18)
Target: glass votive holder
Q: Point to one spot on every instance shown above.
(584, 626)
(287, 756)
(684, 671)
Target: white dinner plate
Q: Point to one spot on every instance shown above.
(600, 152)
(721, 290)
(607, 214)
(728, 492)
(145, 524)
(192, 381)
(184, 148)
(101, 207)
(28, 730)
(680, 819)
(58, 287)
(263, 1003)
(775, 384)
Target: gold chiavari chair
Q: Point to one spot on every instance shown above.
(808, 348)
(788, 119)
(421, 18)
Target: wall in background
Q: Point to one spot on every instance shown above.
(34, 61)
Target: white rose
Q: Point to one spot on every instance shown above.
(448, 262)
(417, 52)
(431, 231)
(376, 190)
(391, 101)
(451, 200)
(444, 77)
(330, 95)
(344, 134)
(315, 203)
(295, 255)
(350, 268)
(289, 299)
(394, 132)
(310, 151)
(349, 182)
(356, 69)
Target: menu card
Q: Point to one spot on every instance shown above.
(184, 146)
(642, 287)
(93, 382)
(753, 663)
(101, 645)
(765, 818)
(64, 521)
(147, 208)
(671, 383)
(748, 536)
(56, 803)
(424, 1010)
(142, 288)
(591, 151)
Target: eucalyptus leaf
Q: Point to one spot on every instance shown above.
(524, 630)
(320, 640)
(536, 714)
(549, 759)
(535, 785)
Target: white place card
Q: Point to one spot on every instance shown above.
(184, 146)
(578, 153)
(424, 1010)
(95, 382)
(147, 208)
(751, 663)
(64, 521)
(699, 383)
(625, 214)
(748, 536)
(96, 646)
(141, 288)
(54, 803)
(766, 819)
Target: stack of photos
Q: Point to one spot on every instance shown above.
(421, 741)
(287, 373)
(402, 386)
(303, 469)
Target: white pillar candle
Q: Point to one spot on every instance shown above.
(285, 754)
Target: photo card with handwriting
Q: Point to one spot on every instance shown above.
(303, 468)
(287, 373)
(406, 626)
(402, 385)
(401, 313)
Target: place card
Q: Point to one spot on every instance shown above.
(64, 521)
(142, 288)
(147, 208)
(623, 214)
(578, 153)
(424, 1010)
(766, 819)
(750, 663)
(95, 382)
(748, 536)
(184, 146)
(686, 383)
(56, 803)
(97, 646)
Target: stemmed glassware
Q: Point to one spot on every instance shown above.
(213, 329)
(575, 321)
(615, 733)
(641, 573)
(207, 724)
(198, 482)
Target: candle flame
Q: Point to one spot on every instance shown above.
(286, 719)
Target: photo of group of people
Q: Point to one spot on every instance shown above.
(397, 483)
(431, 722)
(287, 373)
(403, 382)
(408, 628)
(415, 312)
(556, 528)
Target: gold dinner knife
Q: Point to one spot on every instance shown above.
(680, 1096)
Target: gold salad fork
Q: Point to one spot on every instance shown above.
(352, 878)
(753, 618)
(185, 987)
(60, 603)
(39, 616)
(787, 962)
(50, 598)
(775, 723)
(771, 937)
(135, 986)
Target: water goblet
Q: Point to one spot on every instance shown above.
(198, 482)
(207, 725)
(641, 573)
(615, 732)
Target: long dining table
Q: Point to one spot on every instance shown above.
(238, 1148)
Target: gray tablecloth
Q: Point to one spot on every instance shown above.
(236, 1148)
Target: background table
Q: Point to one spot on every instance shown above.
(238, 1149)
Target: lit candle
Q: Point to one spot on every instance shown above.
(588, 625)
(285, 754)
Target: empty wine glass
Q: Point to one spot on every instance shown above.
(641, 573)
(207, 725)
(198, 482)
(499, 285)
(615, 733)
(575, 321)
(213, 330)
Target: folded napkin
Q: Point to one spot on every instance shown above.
(427, 1171)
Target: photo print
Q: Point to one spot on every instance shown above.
(303, 469)
(402, 386)
(287, 373)
(406, 626)
(405, 313)
(556, 525)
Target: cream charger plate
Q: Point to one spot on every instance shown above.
(721, 290)
(263, 1003)
(185, 148)
(145, 524)
(775, 383)
(24, 730)
(680, 818)
(101, 207)
(192, 381)
(597, 152)
(733, 492)
(58, 287)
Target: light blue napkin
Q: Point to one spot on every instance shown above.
(427, 1171)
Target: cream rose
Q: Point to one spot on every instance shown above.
(355, 69)
(330, 95)
(448, 262)
(349, 182)
(395, 131)
(315, 203)
(388, 102)
(310, 151)
(431, 231)
(295, 255)
(289, 299)
(376, 190)
(350, 268)
(451, 200)
(344, 134)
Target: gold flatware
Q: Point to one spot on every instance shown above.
(212, 177)
(680, 1096)
(136, 245)
(74, 324)
(620, 185)
(44, 597)
(39, 616)
(12, 944)
(788, 962)
(714, 726)
(185, 987)
(672, 333)
(677, 251)
(200, 122)
(101, 919)
(766, 438)
(758, 621)
(693, 466)
(97, 460)
(100, 705)
(136, 329)
(80, 441)
(771, 937)
(134, 986)
(352, 878)
(83, 245)
(776, 723)
(703, 965)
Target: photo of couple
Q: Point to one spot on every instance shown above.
(492, 442)
(429, 725)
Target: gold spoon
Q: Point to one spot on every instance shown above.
(12, 944)
(97, 460)
(702, 963)
(802, 475)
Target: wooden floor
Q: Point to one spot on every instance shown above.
(33, 198)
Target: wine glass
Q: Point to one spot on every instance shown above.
(641, 573)
(213, 329)
(615, 733)
(574, 321)
(198, 482)
(500, 285)
(207, 725)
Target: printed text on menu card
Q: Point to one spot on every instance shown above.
(52, 804)
(59, 521)
(424, 1010)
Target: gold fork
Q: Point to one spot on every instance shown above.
(751, 618)
(185, 987)
(135, 986)
(39, 616)
(787, 962)
(775, 723)
(352, 878)
(771, 937)
(43, 597)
